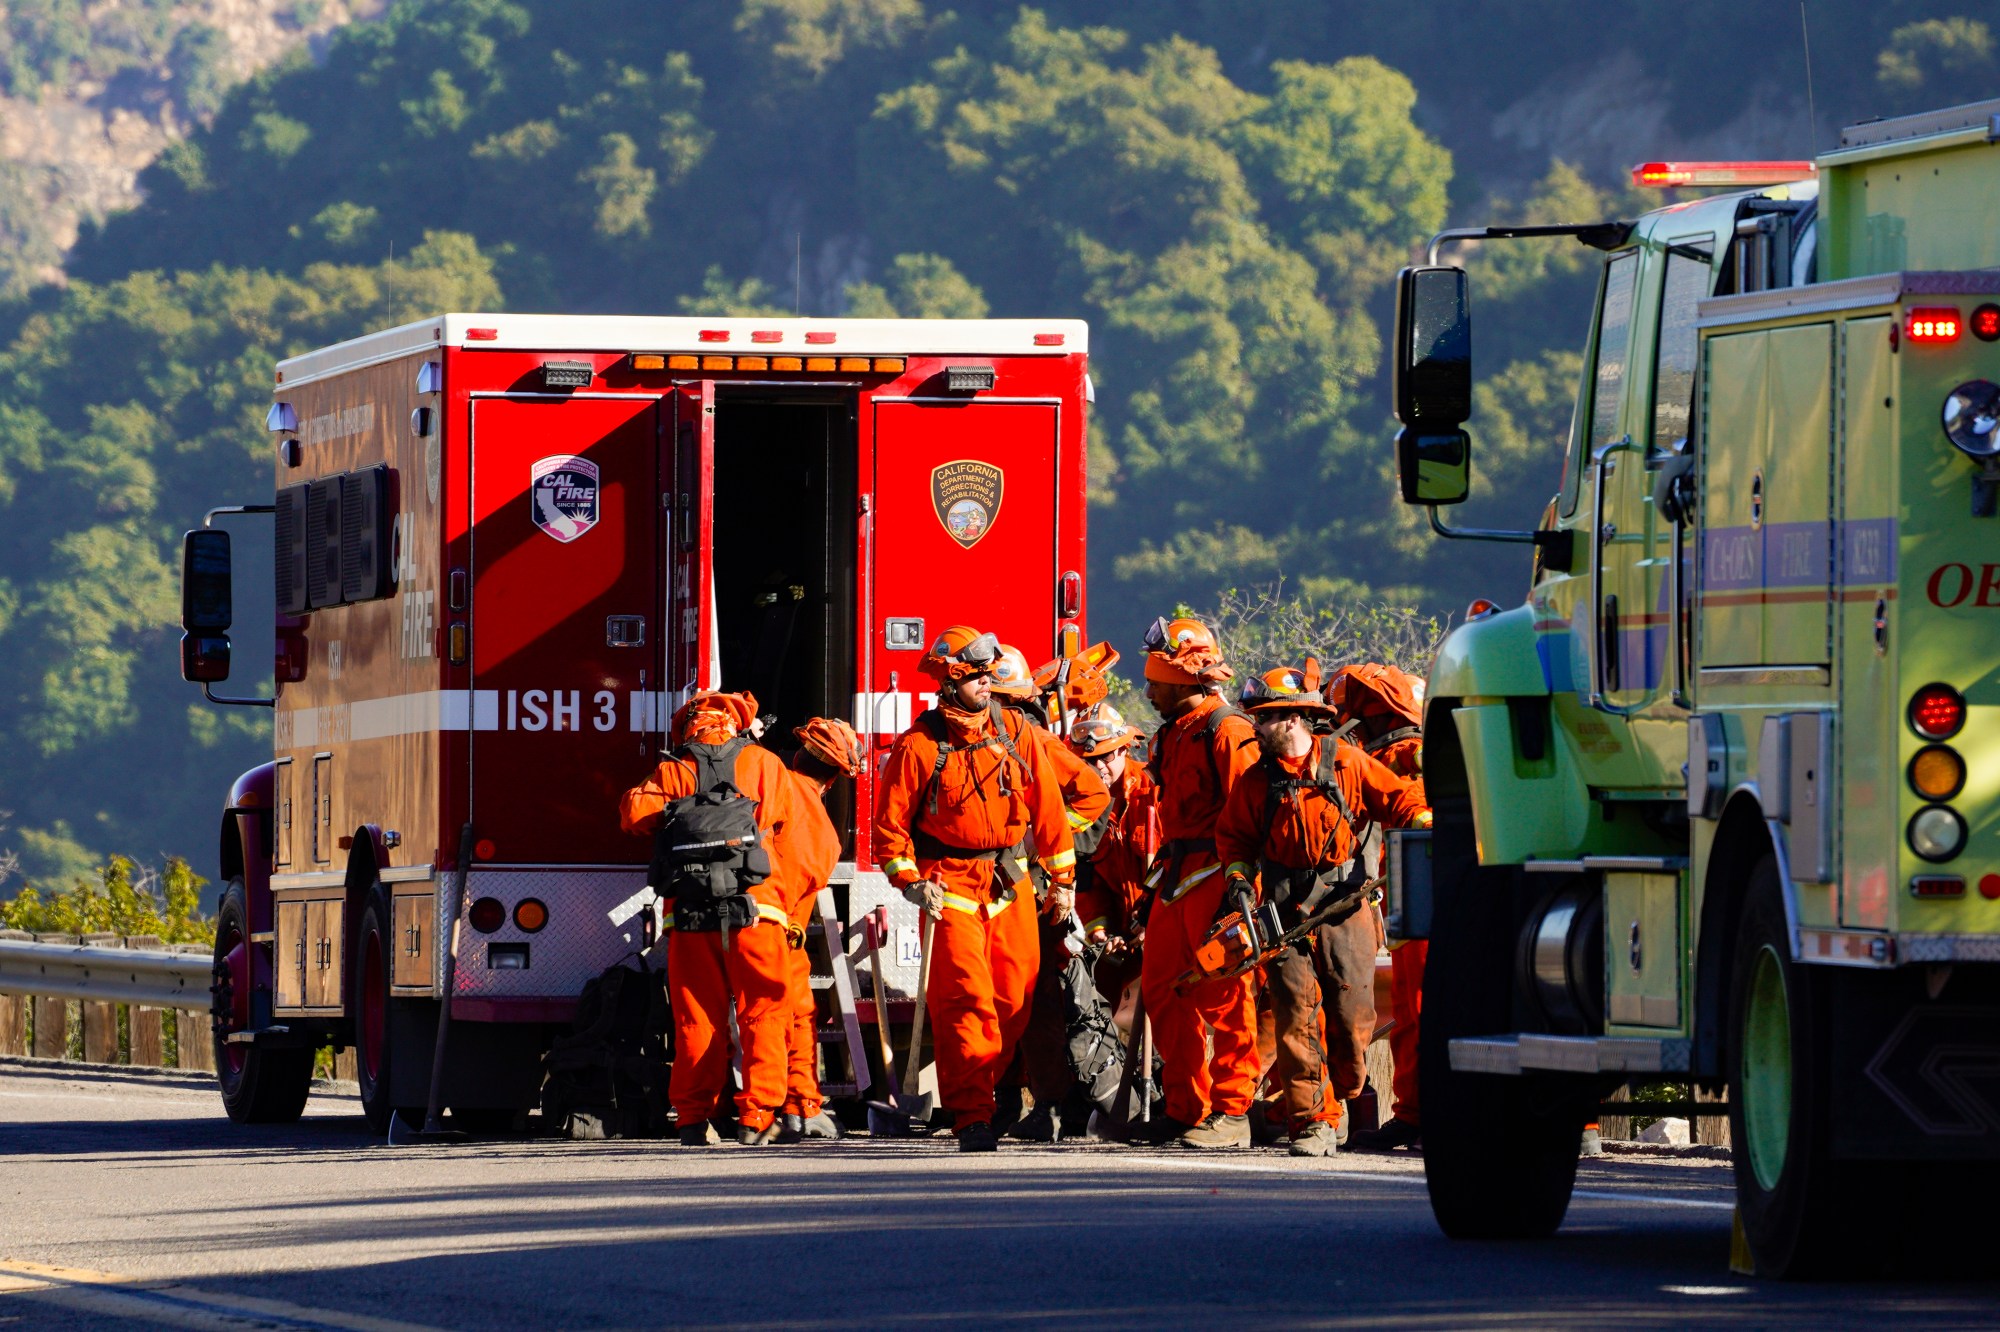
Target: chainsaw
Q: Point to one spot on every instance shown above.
(1252, 935)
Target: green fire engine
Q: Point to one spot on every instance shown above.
(1720, 803)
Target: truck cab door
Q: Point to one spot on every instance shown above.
(693, 652)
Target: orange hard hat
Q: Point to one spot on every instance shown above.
(1373, 689)
(1089, 681)
(1184, 652)
(1286, 689)
(714, 718)
(1102, 733)
(959, 653)
(833, 742)
(1011, 676)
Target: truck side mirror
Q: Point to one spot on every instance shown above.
(205, 605)
(1432, 375)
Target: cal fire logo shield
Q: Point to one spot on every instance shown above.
(966, 495)
(563, 493)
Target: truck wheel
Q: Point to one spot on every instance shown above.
(1802, 1211)
(1499, 1152)
(374, 1049)
(259, 1085)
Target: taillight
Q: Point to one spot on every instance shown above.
(487, 915)
(530, 915)
(1934, 324)
(1936, 885)
(1937, 711)
(1937, 772)
(1936, 833)
(1985, 323)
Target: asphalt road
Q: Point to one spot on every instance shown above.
(129, 1201)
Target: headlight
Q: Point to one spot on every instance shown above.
(1937, 772)
(1970, 415)
(1937, 833)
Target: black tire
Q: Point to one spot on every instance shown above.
(1803, 1213)
(1499, 1151)
(259, 1085)
(374, 1044)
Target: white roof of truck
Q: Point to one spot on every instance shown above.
(696, 333)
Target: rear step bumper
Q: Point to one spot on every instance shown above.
(1529, 1052)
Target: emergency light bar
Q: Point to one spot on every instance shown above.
(1663, 175)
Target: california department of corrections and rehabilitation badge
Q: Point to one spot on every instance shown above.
(966, 495)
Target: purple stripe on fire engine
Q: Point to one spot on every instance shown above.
(1797, 554)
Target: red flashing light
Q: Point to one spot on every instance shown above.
(1989, 886)
(767, 335)
(1937, 711)
(487, 915)
(1932, 324)
(1985, 323)
(1664, 175)
(1937, 885)
(482, 335)
(819, 339)
(1049, 339)
(713, 335)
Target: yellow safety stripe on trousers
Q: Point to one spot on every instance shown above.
(1181, 888)
(958, 902)
(899, 865)
(1062, 860)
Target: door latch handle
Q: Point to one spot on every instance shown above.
(624, 631)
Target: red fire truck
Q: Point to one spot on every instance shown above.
(507, 549)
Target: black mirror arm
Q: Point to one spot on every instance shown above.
(1597, 235)
(208, 692)
(208, 519)
(1555, 541)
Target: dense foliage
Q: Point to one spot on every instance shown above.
(1223, 190)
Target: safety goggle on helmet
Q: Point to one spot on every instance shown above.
(1286, 689)
(1106, 733)
(960, 653)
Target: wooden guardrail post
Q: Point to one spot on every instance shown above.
(14, 1010)
(100, 1019)
(196, 1031)
(147, 1028)
(52, 1015)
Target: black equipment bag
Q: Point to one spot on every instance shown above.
(708, 851)
(607, 1075)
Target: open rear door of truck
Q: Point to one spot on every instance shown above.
(693, 653)
(566, 642)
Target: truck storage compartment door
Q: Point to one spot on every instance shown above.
(693, 654)
(964, 532)
(565, 641)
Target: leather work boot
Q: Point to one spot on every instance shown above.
(978, 1138)
(1218, 1132)
(763, 1137)
(1319, 1139)
(824, 1126)
(699, 1135)
(1036, 1126)
(1264, 1129)
(791, 1129)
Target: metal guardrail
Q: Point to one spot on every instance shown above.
(108, 975)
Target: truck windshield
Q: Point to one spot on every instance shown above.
(1673, 375)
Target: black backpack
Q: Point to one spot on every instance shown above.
(708, 851)
(1298, 891)
(607, 1075)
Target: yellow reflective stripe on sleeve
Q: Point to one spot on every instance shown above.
(900, 865)
(1077, 823)
(1422, 820)
(1101, 923)
(1238, 867)
(765, 911)
(1062, 860)
(1181, 888)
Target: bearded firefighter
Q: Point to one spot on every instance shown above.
(959, 790)
(1386, 706)
(1288, 834)
(828, 751)
(1207, 1035)
(728, 910)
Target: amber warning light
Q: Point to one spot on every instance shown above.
(1661, 175)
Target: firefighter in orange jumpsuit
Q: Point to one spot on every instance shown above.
(1111, 875)
(1207, 1037)
(828, 750)
(1290, 829)
(1043, 1053)
(708, 966)
(958, 792)
(1387, 706)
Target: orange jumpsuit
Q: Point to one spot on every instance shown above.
(1109, 892)
(952, 831)
(755, 969)
(1187, 882)
(1336, 963)
(1044, 1049)
(815, 847)
(1406, 959)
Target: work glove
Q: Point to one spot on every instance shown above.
(1060, 902)
(927, 895)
